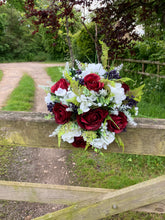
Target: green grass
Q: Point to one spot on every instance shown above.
(55, 73)
(116, 171)
(1, 75)
(22, 97)
(152, 104)
(6, 153)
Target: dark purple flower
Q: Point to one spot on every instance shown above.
(50, 106)
(131, 102)
(113, 74)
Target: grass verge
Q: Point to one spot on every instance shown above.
(1, 75)
(152, 104)
(55, 72)
(116, 171)
(22, 97)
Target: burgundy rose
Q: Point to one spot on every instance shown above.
(62, 83)
(120, 123)
(60, 114)
(92, 82)
(125, 87)
(92, 119)
(79, 142)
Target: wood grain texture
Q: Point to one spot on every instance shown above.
(47, 193)
(31, 129)
(112, 203)
(59, 194)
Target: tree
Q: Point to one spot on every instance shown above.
(16, 40)
(115, 19)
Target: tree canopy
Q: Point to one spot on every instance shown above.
(115, 20)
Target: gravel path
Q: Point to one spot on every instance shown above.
(39, 165)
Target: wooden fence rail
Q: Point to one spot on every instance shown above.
(31, 129)
(143, 62)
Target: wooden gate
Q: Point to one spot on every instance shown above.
(31, 129)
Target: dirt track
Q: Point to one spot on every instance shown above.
(31, 164)
(13, 73)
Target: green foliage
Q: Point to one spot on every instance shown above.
(83, 46)
(16, 41)
(152, 103)
(1, 75)
(18, 44)
(153, 100)
(148, 50)
(22, 98)
(56, 48)
(104, 57)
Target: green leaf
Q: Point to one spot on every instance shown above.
(49, 116)
(119, 142)
(137, 93)
(104, 57)
(74, 101)
(124, 79)
(79, 111)
(86, 91)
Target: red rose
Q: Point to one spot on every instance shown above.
(125, 87)
(120, 120)
(62, 83)
(60, 114)
(92, 82)
(92, 119)
(79, 142)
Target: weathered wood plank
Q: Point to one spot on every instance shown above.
(142, 61)
(31, 129)
(112, 203)
(47, 193)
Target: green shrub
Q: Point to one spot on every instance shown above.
(147, 50)
(83, 46)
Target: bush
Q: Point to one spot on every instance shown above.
(147, 50)
(83, 46)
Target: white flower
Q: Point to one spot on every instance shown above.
(84, 106)
(85, 103)
(114, 111)
(118, 92)
(118, 68)
(55, 132)
(60, 92)
(48, 98)
(103, 92)
(94, 68)
(106, 138)
(69, 135)
(79, 65)
(136, 111)
(129, 118)
(69, 95)
(66, 68)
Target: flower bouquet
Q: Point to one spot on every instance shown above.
(92, 106)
